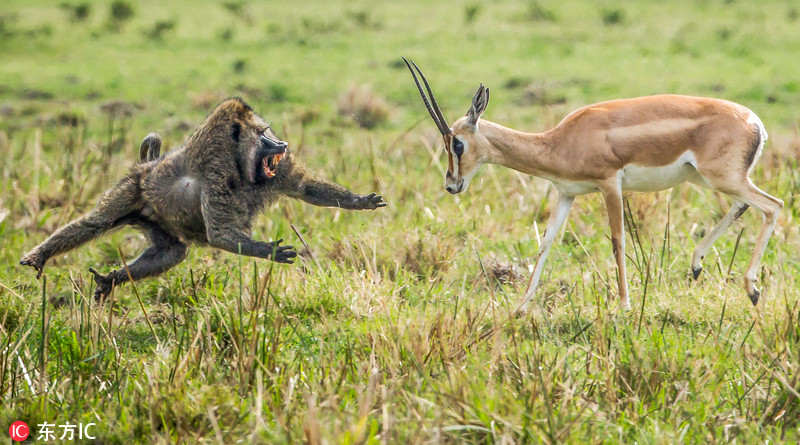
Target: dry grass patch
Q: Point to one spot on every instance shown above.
(367, 108)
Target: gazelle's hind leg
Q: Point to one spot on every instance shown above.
(705, 244)
(769, 206)
(744, 194)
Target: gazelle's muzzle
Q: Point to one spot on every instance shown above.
(453, 185)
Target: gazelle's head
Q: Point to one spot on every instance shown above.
(466, 147)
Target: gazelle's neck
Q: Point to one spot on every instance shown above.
(524, 152)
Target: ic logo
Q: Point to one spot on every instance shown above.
(19, 431)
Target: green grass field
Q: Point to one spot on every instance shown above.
(393, 327)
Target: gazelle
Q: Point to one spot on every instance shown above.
(642, 144)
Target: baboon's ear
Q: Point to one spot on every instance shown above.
(479, 103)
(236, 130)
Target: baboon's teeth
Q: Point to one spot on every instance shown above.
(269, 171)
(270, 163)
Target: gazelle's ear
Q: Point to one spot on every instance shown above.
(479, 103)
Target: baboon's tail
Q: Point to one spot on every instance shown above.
(150, 149)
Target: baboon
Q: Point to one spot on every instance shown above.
(205, 192)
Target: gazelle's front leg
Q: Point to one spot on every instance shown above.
(612, 193)
(557, 218)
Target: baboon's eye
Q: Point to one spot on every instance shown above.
(458, 147)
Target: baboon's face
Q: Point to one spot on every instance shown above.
(269, 152)
(262, 147)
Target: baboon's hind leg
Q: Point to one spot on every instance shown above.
(165, 251)
(117, 207)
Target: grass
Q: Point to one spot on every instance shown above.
(393, 327)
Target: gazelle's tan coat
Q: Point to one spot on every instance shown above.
(640, 144)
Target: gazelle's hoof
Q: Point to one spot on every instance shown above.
(696, 272)
(754, 295)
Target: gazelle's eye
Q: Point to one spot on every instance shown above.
(458, 147)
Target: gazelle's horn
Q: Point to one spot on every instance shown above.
(432, 106)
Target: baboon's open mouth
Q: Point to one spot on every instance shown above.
(270, 163)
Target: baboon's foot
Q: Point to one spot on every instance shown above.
(104, 285)
(35, 260)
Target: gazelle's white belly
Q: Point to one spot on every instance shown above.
(637, 178)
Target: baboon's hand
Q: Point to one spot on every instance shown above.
(370, 202)
(281, 254)
(35, 261)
